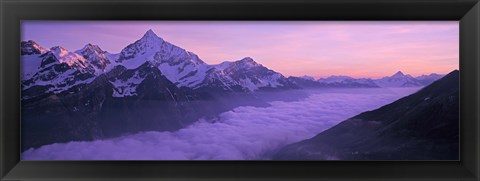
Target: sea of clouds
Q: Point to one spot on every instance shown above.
(244, 133)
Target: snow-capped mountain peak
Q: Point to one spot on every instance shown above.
(58, 48)
(150, 33)
(90, 48)
(146, 47)
(70, 58)
(31, 47)
(150, 38)
(96, 56)
(249, 62)
(246, 63)
(59, 51)
(180, 66)
(249, 75)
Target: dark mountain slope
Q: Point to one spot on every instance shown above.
(122, 101)
(422, 126)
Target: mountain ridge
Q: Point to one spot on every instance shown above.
(151, 85)
(399, 79)
(421, 126)
(180, 66)
(186, 69)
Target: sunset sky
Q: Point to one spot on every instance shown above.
(316, 48)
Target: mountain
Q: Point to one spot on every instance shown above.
(421, 126)
(332, 82)
(31, 47)
(31, 60)
(306, 77)
(186, 69)
(428, 79)
(398, 80)
(307, 82)
(150, 85)
(96, 56)
(182, 67)
(54, 71)
(122, 101)
(252, 76)
(346, 81)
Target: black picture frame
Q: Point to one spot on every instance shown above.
(465, 11)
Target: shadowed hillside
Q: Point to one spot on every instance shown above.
(422, 126)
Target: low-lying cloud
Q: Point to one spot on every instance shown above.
(245, 133)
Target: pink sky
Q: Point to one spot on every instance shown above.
(317, 48)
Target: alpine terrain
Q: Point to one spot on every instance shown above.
(153, 85)
(422, 126)
(150, 85)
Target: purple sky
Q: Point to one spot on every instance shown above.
(316, 48)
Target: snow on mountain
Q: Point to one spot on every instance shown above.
(126, 87)
(140, 51)
(183, 68)
(59, 69)
(146, 82)
(31, 58)
(70, 58)
(398, 80)
(126, 83)
(53, 71)
(31, 47)
(216, 80)
(30, 65)
(186, 69)
(96, 56)
(252, 76)
(222, 66)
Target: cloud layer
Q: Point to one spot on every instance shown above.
(245, 133)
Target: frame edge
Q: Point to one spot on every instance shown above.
(470, 40)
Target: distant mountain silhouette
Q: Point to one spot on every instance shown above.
(422, 126)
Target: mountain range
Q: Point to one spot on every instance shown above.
(421, 126)
(150, 85)
(56, 69)
(398, 79)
